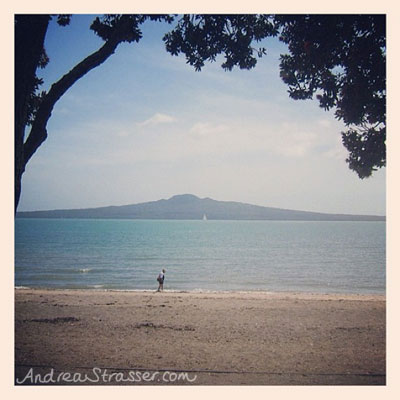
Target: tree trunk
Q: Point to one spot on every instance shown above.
(30, 32)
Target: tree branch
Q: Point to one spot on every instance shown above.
(38, 133)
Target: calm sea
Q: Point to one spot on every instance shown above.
(324, 257)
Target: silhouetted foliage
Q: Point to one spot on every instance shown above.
(203, 37)
(340, 59)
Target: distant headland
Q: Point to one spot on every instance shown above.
(190, 207)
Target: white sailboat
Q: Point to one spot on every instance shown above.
(204, 217)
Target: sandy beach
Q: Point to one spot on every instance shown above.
(235, 338)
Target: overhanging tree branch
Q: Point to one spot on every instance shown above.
(38, 133)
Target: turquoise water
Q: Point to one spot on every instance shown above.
(324, 257)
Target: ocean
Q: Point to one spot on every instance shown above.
(318, 257)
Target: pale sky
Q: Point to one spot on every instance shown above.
(145, 126)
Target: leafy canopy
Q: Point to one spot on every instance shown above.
(342, 58)
(339, 59)
(203, 37)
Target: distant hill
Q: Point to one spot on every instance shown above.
(188, 206)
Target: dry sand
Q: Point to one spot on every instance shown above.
(215, 338)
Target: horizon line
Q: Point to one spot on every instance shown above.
(200, 198)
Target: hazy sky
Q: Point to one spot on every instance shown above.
(145, 126)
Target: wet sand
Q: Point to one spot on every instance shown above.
(256, 338)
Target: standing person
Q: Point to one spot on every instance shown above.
(160, 279)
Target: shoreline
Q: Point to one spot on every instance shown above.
(223, 293)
